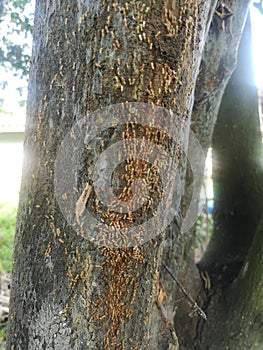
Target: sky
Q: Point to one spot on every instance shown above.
(257, 32)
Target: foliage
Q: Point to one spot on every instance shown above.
(16, 22)
(7, 231)
(204, 230)
(204, 226)
(1, 7)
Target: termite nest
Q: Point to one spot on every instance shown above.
(121, 282)
(122, 179)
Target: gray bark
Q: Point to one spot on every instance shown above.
(237, 174)
(218, 63)
(234, 256)
(68, 292)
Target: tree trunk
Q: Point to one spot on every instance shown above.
(73, 286)
(237, 173)
(218, 63)
(233, 258)
(80, 279)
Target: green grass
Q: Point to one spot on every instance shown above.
(2, 338)
(7, 232)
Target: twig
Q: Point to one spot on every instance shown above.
(196, 310)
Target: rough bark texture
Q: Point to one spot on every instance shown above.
(236, 314)
(68, 293)
(218, 63)
(233, 258)
(237, 173)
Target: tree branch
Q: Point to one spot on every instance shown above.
(196, 310)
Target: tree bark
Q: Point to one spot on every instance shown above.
(236, 314)
(233, 257)
(70, 292)
(67, 291)
(237, 172)
(219, 60)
